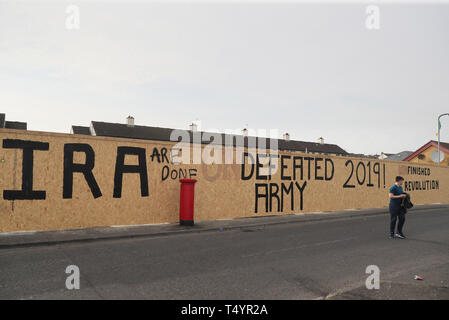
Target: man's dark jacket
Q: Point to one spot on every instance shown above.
(406, 203)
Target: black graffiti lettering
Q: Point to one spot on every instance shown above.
(363, 173)
(192, 172)
(283, 167)
(421, 185)
(271, 192)
(28, 147)
(249, 156)
(328, 163)
(259, 165)
(182, 173)
(178, 173)
(85, 169)
(369, 175)
(376, 171)
(164, 155)
(165, 172)
(360, 165)
(301, 192)
(318, 168)
(418, 171)
(346, 185)
(308, 159)
(121, 168)
(156, 154)
(259, 195)
(286, 191)
(274, 194)
(271, 166)
(296, 166)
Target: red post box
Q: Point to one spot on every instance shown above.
(187, 198)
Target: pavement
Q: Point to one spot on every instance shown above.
(309, 256)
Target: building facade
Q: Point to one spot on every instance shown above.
(424, 154)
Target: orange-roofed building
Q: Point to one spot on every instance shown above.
(423, 154)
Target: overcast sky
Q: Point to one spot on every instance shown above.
(308, 69)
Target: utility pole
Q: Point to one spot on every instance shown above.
(439, 127)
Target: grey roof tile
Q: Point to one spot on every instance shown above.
(80, 130)
(16, 125)
(119, 130)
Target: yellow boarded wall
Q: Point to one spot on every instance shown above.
(46, 202)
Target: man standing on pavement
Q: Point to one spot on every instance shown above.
(396, 211)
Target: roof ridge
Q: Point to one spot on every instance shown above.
(146, 132)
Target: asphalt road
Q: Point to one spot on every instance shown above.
(311, 260)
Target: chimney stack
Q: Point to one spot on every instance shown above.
(130, 121)
(193, 127)
(2, 120)
(321, 140)
(286, 136)
(245, 132)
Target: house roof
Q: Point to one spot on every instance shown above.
(119, 130)
(399, 156)
(361, 155)
(11, 124)
(444, 146)
(16, 125)
(80, 130)
(294, 145)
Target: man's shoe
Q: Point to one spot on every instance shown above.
(391, 236)
(400, 235)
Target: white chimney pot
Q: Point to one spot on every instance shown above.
(130, 121)
(193, 127)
